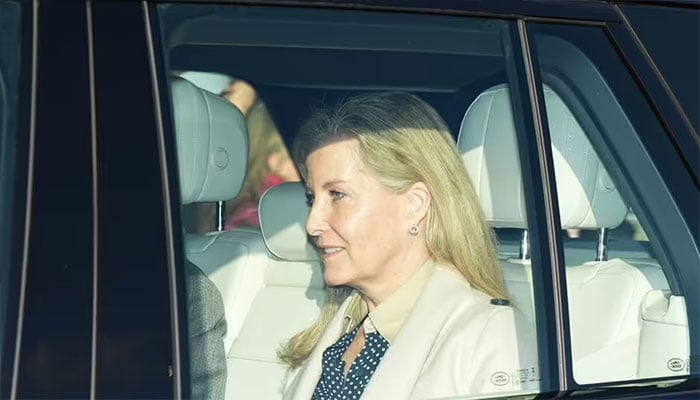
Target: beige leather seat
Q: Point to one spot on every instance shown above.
(272, 286)
(605, 297)
(212, 142)
(286, 294)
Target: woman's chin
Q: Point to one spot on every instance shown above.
(334, 279)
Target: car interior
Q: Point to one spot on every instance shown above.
(271, 278)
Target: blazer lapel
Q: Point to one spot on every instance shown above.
(403, 362)
(306, 380)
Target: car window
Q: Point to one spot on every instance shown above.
(268, 277)
(679, 65)
(13, 168)
(627, 309)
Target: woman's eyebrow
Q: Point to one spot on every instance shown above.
(334, 182)
(326, 185)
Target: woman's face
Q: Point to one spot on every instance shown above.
(360, 227)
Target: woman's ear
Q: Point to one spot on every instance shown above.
(419, 199)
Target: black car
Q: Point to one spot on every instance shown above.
(577, 121)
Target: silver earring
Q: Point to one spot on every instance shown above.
(413, 230)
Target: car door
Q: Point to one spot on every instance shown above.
(52, 278)
(93, 287)
(87, 272)
(634, 129)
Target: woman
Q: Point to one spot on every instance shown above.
(416, 306)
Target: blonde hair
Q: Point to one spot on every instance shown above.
(264, 139)
(403, 140)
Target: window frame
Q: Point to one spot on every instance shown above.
(673, 251)
(537, 167)
(52, 265)
(136, 292)
(537, 209)
(631, 15)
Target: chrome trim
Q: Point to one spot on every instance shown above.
(175, 328)
(220, 216)
(524, 252)
(580, 10)
(602, 245)
(28, 211)
(95, 212)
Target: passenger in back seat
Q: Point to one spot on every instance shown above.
(416, 305)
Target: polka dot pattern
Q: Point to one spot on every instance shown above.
(333, 384)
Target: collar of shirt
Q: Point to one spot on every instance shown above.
(388, 317)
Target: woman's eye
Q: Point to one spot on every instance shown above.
(336, 195)
(309, 199)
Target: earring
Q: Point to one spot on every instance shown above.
(413, 230)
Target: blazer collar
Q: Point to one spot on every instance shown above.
(411, 347)
(304, 384)
(414, 342)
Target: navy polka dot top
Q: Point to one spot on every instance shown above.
(333, 384)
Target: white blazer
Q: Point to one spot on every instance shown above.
(454, 343)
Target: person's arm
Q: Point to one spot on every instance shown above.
(207, 326)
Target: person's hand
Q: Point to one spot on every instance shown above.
(242, 95)
(281, 164)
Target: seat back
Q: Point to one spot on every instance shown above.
(272, 285)
(212, 143)
(287, 301)
(605, 296)
(588, 199)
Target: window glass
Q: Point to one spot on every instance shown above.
(271, 281)
(672, 38)
(626, 322)
(12, 167)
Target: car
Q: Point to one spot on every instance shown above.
(119, 152)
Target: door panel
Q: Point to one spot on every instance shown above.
(134, 339)
(56, 341)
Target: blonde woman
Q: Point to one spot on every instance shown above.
(416, 306)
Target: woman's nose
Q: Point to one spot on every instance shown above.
(316, 223)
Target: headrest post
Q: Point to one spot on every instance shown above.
(524, 246)
(602, 247)
(220, 216)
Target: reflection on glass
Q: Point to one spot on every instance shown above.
(625, 323)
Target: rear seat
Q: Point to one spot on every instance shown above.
(212, 143)
(272, 286)
(605, 297)
(287, 293)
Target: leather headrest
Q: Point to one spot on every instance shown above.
(283, 211)
(213, 82)
(212, 144)
(588, 198)
(489, 151)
